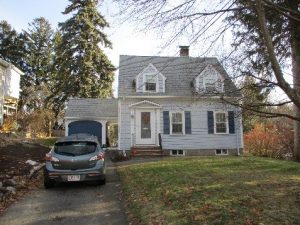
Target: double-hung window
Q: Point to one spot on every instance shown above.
(177, 123)
(221, 123)
(210, 83)
(150, 82)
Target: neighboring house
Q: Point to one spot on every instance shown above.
(9, 89)
(172, 102)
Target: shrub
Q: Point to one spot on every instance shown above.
(39, 123)
(271, 139)
(9, 124)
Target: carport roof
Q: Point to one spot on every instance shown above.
(93, 108)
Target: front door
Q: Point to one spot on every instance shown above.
(145, 127)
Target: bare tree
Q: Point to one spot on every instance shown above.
(266, 41)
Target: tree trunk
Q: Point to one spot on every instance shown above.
(295, 45)
(297, 135)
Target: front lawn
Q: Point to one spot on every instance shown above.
(213, 190)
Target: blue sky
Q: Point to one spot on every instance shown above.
(126, 40)
(20, 12)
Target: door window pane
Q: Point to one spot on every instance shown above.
(145, 125)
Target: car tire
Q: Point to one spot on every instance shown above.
(103, 181)
(48, 183)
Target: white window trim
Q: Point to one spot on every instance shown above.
(215, 122)
(177, 150)
(156, 82)
(183, 123)
(222, 153)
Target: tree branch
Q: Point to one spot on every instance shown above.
(273, 60)
(261, 112)
(283, 10)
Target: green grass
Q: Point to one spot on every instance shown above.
(213, 190)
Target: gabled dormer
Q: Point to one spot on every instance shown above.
(209, 81)
(150, 80)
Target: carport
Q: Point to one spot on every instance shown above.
(84, 115)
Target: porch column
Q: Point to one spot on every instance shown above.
(103, 122)
(67, 127)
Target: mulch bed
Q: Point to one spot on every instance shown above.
(13, 157)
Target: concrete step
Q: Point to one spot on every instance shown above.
(146, 147)
(145, 151)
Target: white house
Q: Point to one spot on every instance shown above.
(174, 104)
(9, 89)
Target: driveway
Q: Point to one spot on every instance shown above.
(71, 204)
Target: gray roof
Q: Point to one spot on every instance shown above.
(5, 64)
(179, 73)
(92, 108)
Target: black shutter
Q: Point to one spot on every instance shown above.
(231, 122)
(188, 122)
(210, 122)
(166, 122)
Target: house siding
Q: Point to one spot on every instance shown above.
(199, 137)
(140, 83)
(161, 84)
(125, 129)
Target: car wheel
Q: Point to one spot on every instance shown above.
(47, 182)
(103, 181)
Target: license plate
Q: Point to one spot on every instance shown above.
(73, 177)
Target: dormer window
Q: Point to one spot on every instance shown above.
(150, 82)
(209, 81)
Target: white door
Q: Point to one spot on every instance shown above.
(145, 127)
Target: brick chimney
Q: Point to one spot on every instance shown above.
(184, 50)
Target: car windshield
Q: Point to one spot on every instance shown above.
(75, 148)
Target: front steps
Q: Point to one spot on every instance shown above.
(146, 151)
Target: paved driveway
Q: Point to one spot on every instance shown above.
(70, 204)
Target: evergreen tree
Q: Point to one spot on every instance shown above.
(11, 44)
(254, 101)
(83, 70)
(35, 83)
(56, 98)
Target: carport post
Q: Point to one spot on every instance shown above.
(103, 122)
(67, 127)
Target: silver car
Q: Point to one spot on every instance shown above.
(78, 157)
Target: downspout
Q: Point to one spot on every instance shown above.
(237, 139)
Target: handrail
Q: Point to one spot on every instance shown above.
(160, 143)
